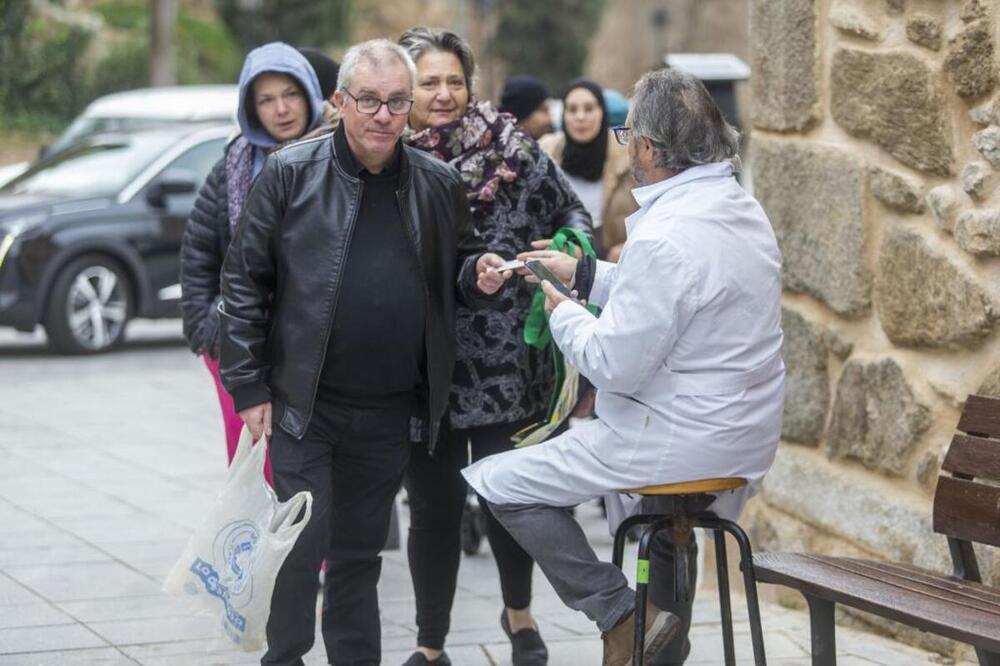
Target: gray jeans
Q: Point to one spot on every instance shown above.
(599, 589)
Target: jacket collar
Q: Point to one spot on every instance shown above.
(648, 194)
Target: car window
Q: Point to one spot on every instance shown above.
(92, 168)
(200, 159)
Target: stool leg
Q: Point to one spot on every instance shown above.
(642, 588)
(618, 550)
(725, 607)
(750, 583)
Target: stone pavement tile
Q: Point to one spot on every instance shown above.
(879, 650)
(31, 615)
(39, 639)
(154, 558)
(72, 500)
(12, 592)
(88, 465)
(84, 581)
(158, 605)
(89, 657)
(47, 535)
(395, 583)
(157, 630)
(706, 643)
(51, 555)
(585, 652)
(132, 528)
(196, 651)
(463, 655)
(567, 623)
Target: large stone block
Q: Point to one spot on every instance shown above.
(876, 417)
(991, 384)
(863, 509)
(978, 232)
(985, 113)
(807, 382)
(977, 179)
(987, 142)
(785, 61)
(973, 9)
(814, 196)
(857, 18)
(894, 99)
(896, 190)
(970, 61)
(924, 300)
(924, 30)
(941, 200)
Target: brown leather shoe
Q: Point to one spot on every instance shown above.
(660, 628)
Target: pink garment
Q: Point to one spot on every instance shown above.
(230, 418)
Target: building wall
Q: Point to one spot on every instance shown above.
(874, 151)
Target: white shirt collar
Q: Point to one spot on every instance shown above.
(647, 194)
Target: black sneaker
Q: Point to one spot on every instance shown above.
(418, 659)
(526, 646)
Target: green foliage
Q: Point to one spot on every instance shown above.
(317, 23)
(206, 51)
(39, 70)
(44, 81)
(525, 37)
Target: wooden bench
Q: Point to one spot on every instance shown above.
(956, 606)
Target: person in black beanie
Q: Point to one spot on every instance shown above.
(326, 69)
(527, 99)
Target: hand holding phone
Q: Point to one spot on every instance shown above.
(539, 270)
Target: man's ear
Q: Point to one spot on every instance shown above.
(338, 99)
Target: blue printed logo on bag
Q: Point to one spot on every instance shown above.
(236, 549)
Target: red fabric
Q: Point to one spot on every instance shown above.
(230, 418)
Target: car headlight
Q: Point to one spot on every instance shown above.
(11, 230)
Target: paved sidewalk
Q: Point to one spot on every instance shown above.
(106, 464)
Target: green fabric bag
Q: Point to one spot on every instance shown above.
(538, 335)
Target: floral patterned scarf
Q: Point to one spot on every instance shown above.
(486, 147)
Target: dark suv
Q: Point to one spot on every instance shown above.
(90, 238)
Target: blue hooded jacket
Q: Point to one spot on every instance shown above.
(282, 58)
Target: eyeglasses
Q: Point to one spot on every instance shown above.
(621, 133)
(369, 105)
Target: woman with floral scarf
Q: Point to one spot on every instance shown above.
(501, 384)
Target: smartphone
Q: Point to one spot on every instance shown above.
(542, 273)
(510, 265)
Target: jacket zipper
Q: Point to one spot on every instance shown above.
(407, 221)
(333, 311)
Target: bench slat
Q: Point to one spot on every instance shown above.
(967, 510)
(863, 585)
(973, 456)
(981, 416)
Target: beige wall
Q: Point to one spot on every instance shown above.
(874, 151)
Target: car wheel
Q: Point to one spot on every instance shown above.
(89, 306)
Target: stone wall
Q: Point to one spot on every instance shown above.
(875, 149)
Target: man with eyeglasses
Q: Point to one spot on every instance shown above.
(339, 293)
(686, 358)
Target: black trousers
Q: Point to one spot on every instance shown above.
(353, 471)
(661, 593)
(437, 492)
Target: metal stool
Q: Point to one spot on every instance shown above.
(690, 501)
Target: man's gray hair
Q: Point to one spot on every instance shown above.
(376, 52)
(676, 113)
(420, 40)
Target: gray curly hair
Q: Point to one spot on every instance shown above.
(676, 113)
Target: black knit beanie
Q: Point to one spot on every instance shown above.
(522, 94)
(326, 69)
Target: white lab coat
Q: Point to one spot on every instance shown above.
(686, 357)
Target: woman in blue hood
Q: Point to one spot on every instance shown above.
(280, 102)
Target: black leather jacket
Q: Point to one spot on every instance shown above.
(281, 277)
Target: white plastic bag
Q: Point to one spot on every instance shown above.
(230, 564)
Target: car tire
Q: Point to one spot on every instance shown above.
(89, 306)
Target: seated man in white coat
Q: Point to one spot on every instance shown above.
(685, 355)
